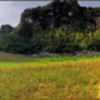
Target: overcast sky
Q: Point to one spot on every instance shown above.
(10, 11)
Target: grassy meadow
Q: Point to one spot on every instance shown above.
(24, 77)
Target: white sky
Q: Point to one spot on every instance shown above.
(10, 11)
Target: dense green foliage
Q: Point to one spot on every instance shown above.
(56, 41)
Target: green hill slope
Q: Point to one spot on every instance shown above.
(4, 56)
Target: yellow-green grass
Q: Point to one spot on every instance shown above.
(24, 77)
(50, 78)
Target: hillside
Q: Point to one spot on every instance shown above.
(58, 27)
(9, 57)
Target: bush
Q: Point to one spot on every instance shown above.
(11, 42)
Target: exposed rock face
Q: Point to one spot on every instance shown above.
(58, 13)
(51, 15)
(6, 29)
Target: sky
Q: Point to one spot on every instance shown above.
(10, 11)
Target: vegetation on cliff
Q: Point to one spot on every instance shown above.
(58, 27)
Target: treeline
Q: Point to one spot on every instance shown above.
(55, 41)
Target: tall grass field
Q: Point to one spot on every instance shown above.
(24, 77)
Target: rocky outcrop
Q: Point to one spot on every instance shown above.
(5, 29)
(50, 16)
(59, 13)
